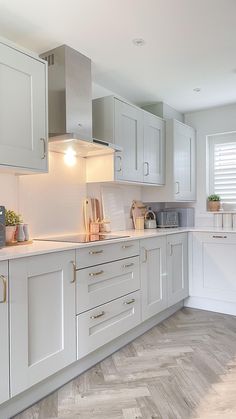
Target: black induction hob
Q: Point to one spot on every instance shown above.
(82, 238)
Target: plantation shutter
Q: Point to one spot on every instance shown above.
(223, 169)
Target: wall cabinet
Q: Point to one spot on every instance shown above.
(23, 110)
(141, 136)
(42, 317)
(180, 166)
(4, 336)
(177, 267)
(153, 276)
(214, 266)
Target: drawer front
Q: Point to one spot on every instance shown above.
(99, 326)
(100, 284)
(95, 255)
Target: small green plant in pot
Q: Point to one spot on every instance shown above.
(213, 202)
(12, 219)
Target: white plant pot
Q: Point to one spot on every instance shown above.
(10, 234)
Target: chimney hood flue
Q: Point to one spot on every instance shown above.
(70, 103)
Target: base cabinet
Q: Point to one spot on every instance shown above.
(153, 276)
(214, 266)
(42, 317)
(100, 325)
(4, 337)
(177, 267)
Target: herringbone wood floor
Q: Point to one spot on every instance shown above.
(183, 368)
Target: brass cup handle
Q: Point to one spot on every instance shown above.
(4, 281)
(129, 302)
(96, 273)
(96, 252)
(96, 316)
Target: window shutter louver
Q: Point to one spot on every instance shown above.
(224, 171)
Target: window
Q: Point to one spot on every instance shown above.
(222, 166)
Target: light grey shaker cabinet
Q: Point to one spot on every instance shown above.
(177, 267)
(140, 134)
(153, 149)
(128, 134)
(153, 276)
(23, 110)
(42, 317)
(4, 337)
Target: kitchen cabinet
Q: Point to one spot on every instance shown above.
(154, 149)
(180, 182)
(42, 317)
(177, 267)
(128, 134)
(4, 337)
(23, 110)
(153, 276)
(98, 284)
(214, 266)
(100, 325)
(140, 135)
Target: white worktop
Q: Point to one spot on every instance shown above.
(41, 247)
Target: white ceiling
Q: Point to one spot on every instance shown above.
(189, 44)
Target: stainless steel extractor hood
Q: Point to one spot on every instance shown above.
(70, 103)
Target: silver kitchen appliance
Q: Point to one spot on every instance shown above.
(2, 227)
(167, 219)
(70, 104)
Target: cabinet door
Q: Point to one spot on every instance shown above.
(153, 276)
(184, 162)
(42, 317)
(154, 149)
(4, 343)
(129, 136)
(214, 266)
(177, 267)
(23, 116)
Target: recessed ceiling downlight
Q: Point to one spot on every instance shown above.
(197, 89)
(139, 42)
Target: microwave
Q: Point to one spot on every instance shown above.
(2, 227)
(167, 219)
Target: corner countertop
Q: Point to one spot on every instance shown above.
(42, 246)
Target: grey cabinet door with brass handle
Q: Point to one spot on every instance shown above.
(4, 333)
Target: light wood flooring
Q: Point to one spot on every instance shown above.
(181, 369)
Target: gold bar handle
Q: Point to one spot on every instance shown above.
(219, 237)
(128, 265)
(127, 246)
(129, 302)
(96, 316)
(96, 252)
(96, 273)
(44, 148)
(4, 281)
(74, 272)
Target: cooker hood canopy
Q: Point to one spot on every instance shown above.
(70, 104)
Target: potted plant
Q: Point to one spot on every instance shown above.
(11, 221)
(213, 202)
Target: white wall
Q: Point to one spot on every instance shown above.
(207, 122)
(52, 202)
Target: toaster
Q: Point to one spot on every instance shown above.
(167, 219)
(2, 227)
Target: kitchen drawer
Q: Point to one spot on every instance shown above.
(95, 255)
(100, 284)
(99, 326)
